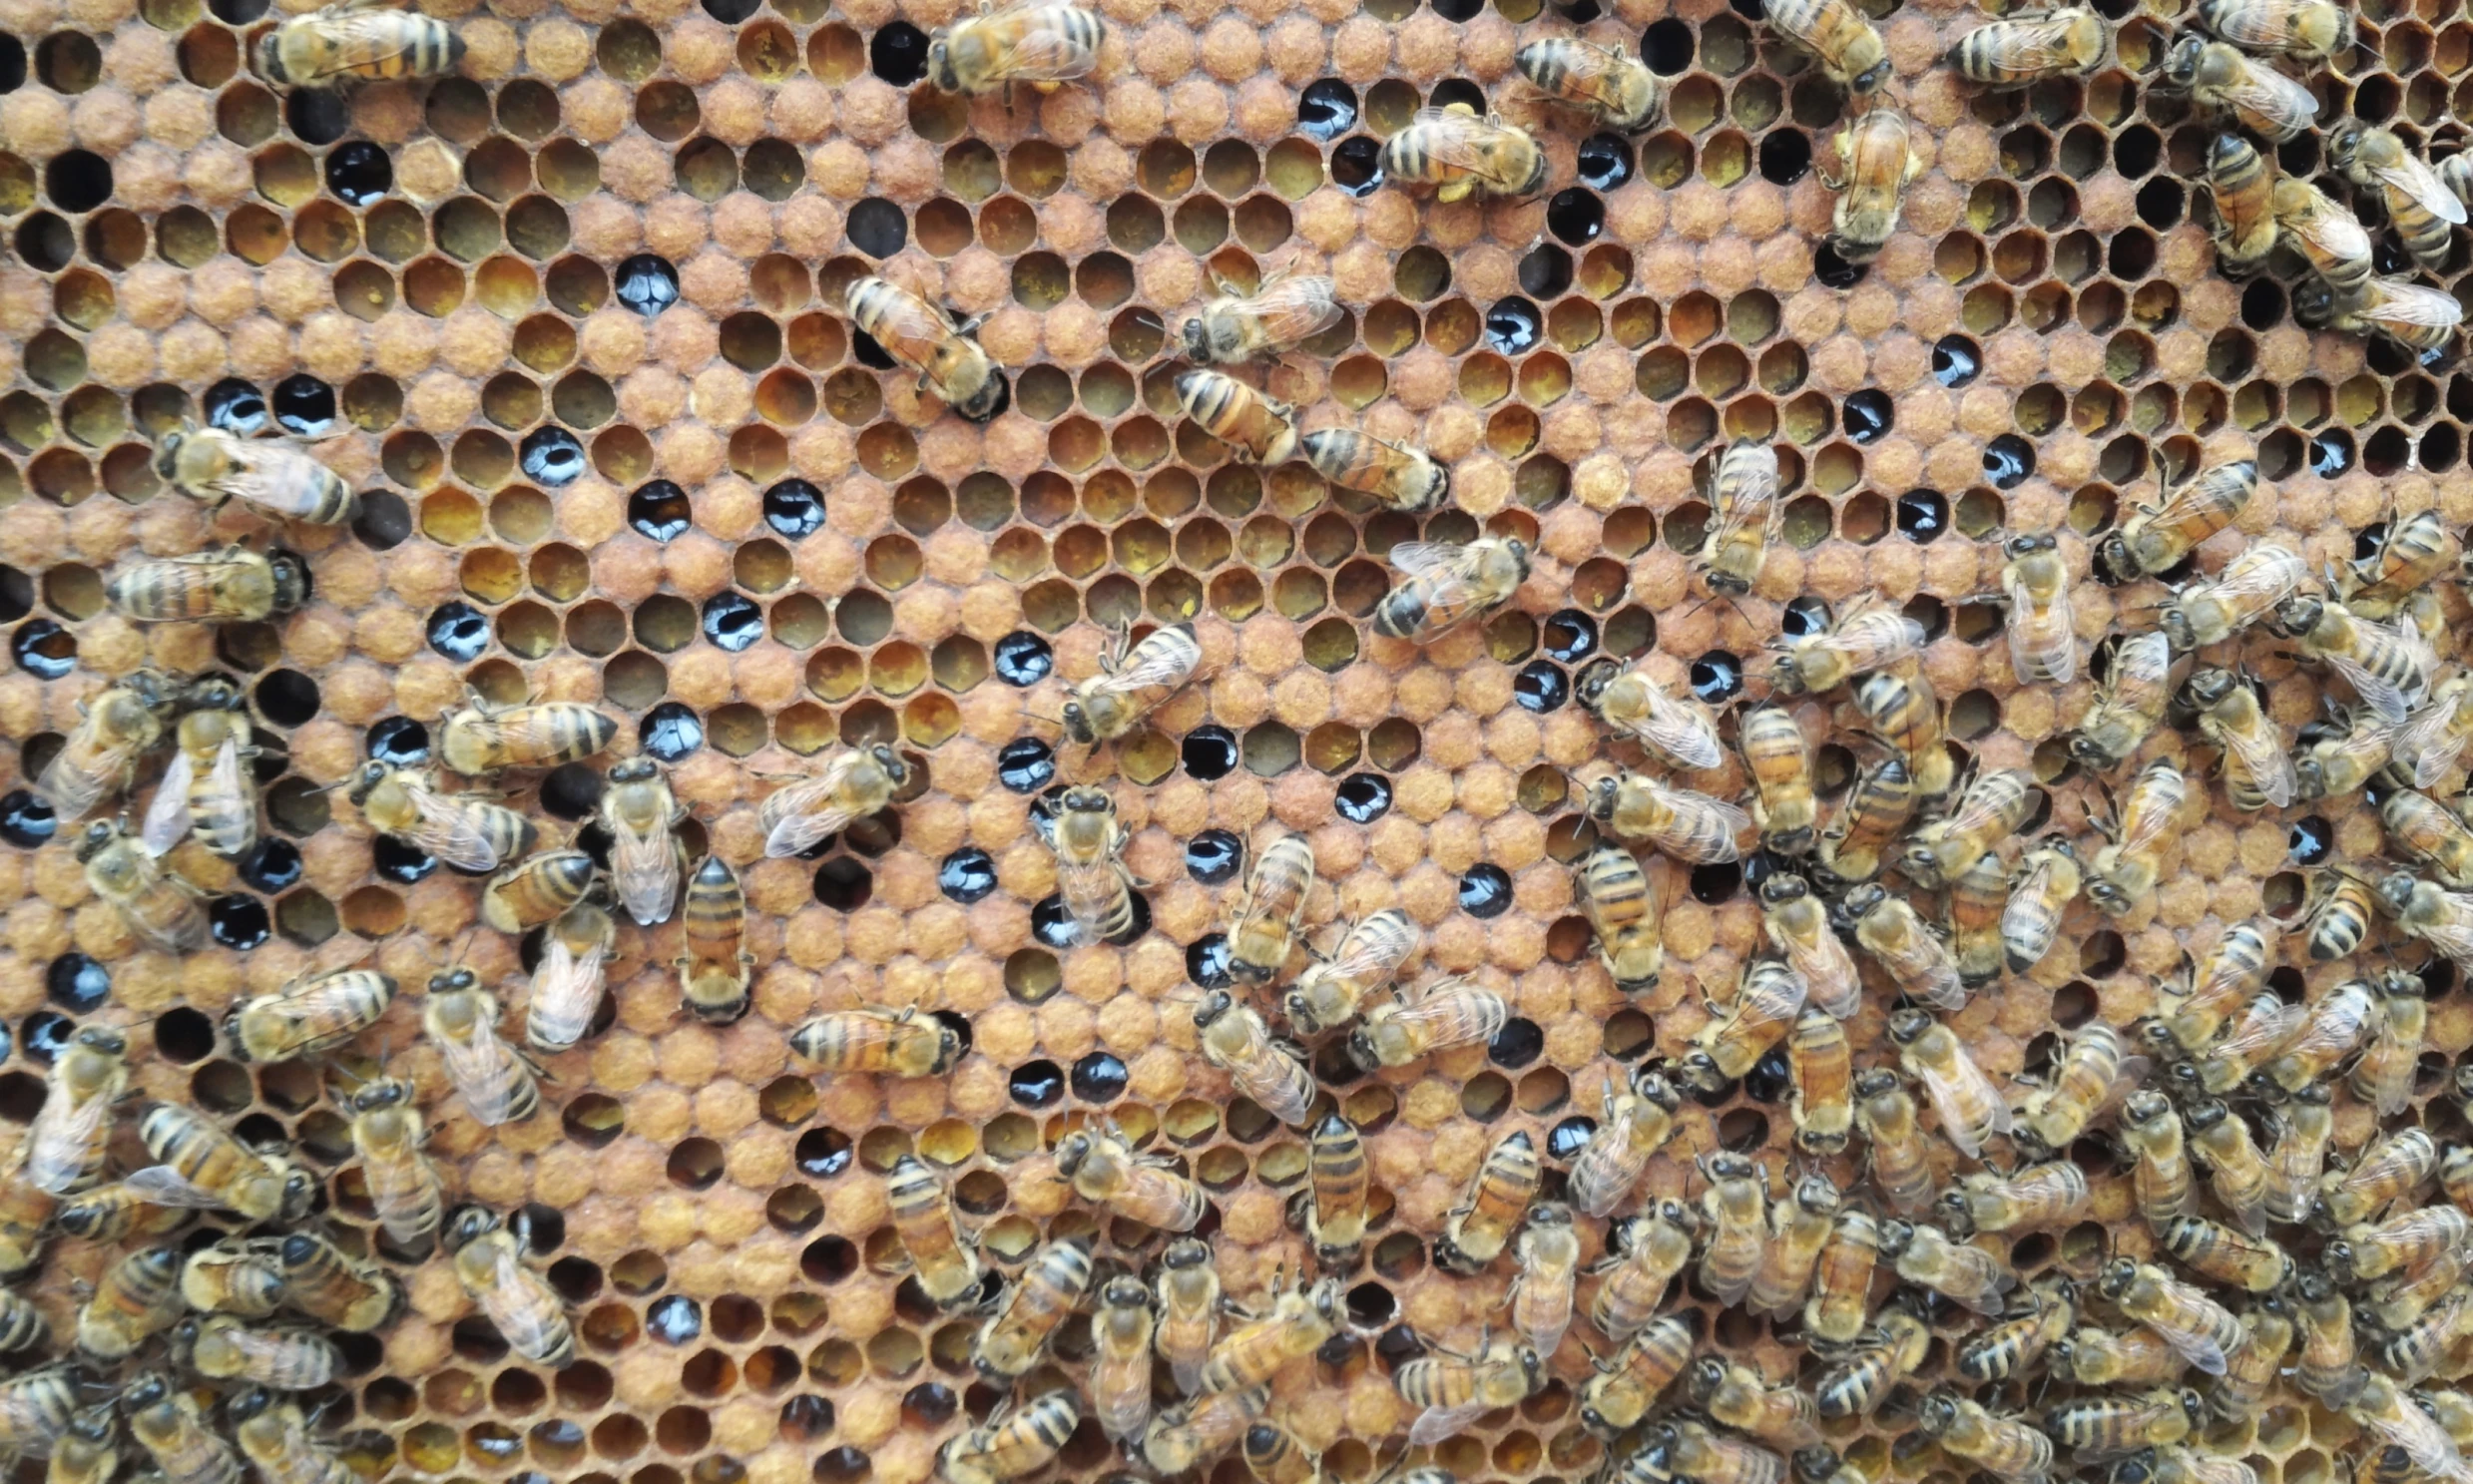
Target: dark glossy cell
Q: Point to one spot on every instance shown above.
(1051, 924)
(1569, 1137)
(43, 649)
(1718, 883)
(77, 984)
(1869, 415)
(398, 862)
(1098, 1077)
(459, 631)
(1545, 272)
(1769, 1078)
(2331, 453)
(1568, 634)
(967, 875)
(1804, 616)
(1955, 360)
(2008, 460)
(271, 865)
(1717, 676)
(670, 730)
(358, 173)
(2311, 840)
(1605, 161)
(234, 406)
(304, 406)
(571, 791)
(647, 283)
(1026, 764)
(1214, 858)
(45, 1035)
(1023, 659)
(1575, 215)
(12, 63)
(238, 921)
(794, 508)
(673, 1318)
(1326, 110)
(1517, 1044)
(878, 228)
(1036, 1084)
(1785, 156)
(287, 698)
(398, 741)
(553, 457)
(897, 53)
(1833, 271)
(821, 1154)
(1363, 797)
(659, 511)
(1356, 164)
(1922, 515)
(1667, 46)
(1205, 961)
(956, 1022)
(1513, 326)
(1541, 686)
(16, 595)
(732, 620)
(316, 115)
(1210, 753)
(844, 884)
(384, 520)
(1485, 890)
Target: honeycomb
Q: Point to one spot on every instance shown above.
(569, 321)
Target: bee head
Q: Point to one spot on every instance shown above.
(2344, 143)
(2116, 1277)
(1071, 1153)
(2029, 545)
(1936, 1414)
(1125, 1291)
(1906, 1025)
(1184, 1252)
(271, 58)
(1873, 1083)
(1077, 723)
(1814, 1465)
(1601, 797)
(250, 1404)
(984, 406)
(1708, 1374)
(387, 1092)
(1896, 1237)
(96, 1425)
(633, 771)
(453, 981)
(890, 761)
(2180, 64)
(1593, 679)
(1785, 886)
(940, 64)
(1818, 1194)
(299, 1194)
(2138, 1468)
(168, 454)
(1086, 799)
(1868, 81)
(1198, 339)
(98, 834)
(470, 1225)
(104, 1039)
(1956, 1215)
(148, 1390)
(1214, 1004)
(2298, 615)
(2193, 1406)
(1650, 1083)
(1532, 1368)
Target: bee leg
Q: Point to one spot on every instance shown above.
(1452, 191)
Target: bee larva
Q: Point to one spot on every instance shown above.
(1038, 44)
(276, 479)
(1284, 312)
(714, 966)
(230, 586)
(2022, 48)
(1614, 88)
(1462, 153)
(1020, 1441)
(1405, 479)
(1103, 1167)
(1837, 35)
(1257, 429)
(1326, 996)
(358, 39)
(1880, 163)
(289, 1358)
(899, 1043)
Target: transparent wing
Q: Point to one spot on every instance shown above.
(1157, 665)
(359, 40)
(2413, 304)
(1042, 51)
(2331, 230)
(566, 990)
(1301, 306)
(2048, 649)
(2430, 744)
(2199, 1349)
(1417, 558)
(1453, 139)
(2390, 702)
(2252, 28)
(2210, 1468)
(1748, 476)
(2154, 819)
(1830, 971)
(1363, 956)
(2037, 46)
(1086, 889)
(450, 833)
(166, 818)
(2407, 177)
(2271, 95)
(2417, 1434)
(164, 1186)
(2267, 766)
(645, 864)
(2264, 576)
(474, 1065)
(2452, 934)
(1679, 730)
(1734, 820)
(1952, 1089)
(1435, 1424)
(59, 1143)
(274, 479)
(797, 816)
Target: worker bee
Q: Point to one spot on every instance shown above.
(1189, 1310)
(1634, 1124)
(1736, 1396)
(2304, 30)
(1611, 85)
(1680, 732)
(1133, 679)
(1877, 807)
(1971, 1112)
(1476, 1231)
(1966, 1276)
(1906, 716)
(2387, 1410)
(207, 788)
(1014, 1442)
(567, 984)
(1643, 1256)
(197, 1165)
(101, 753)
(478, 738)
(2159, 537)
(1779, 761)
(26, 1213)
(1990, 810)
(1871, 637)
(2390, 1168)
(2129, 701)
(1766, 1002)
(2428, 744)
(404, 1187)
(88, 1452)
(851, 784)
(37, 1408)
(358, 39)
(1445, 584)
(1450, 1012)
(1742, 493)
(1038, 44)
(2442, 919)
(1257, 429)
(1327, 994)
(2332, 1026)
(1691, 1450)
(2305, 1127)
(2415, 551)
(159, 908)
(1284, 312)
(1301, 1319)
(2419, 318)
(276, 479)
(2328, 1366)
(464, 831)
(2193, 1011)
(1839, 37)
(1859, 1380)
(1408, 480)
(2389, 668)
(1263, 919)
(137, 1298)
(498, 1082)
(1735, 1209)
(1187, 1436)
(2419, 205)
(2037, 1318)
(2412, 1351)
(2024, 47)
(275, 1436)
(2192, 1324)
(1820, 1068)
(2383, 1077)
(2007, 1448)
(2225, 82)
(1879, 162)
(175, 1433)
(287, 1357)
(2223, 1255)
(1977, 899)
(2243, 190)
(1621, 910)
(1456, 1390)
(2110, 1426)
(2123, 872)
(2098, 1357)
(713, 966)
(925, 338)
(1621, 1391)
(1548, 1253)
(1235, 1039)
(2338, 914)
(1461, 153)
(1120, 1381)
(1339, 1186)
(1689, 827)
(2405, 1241)
(309, 1016)
(2096, 1071)
(2248, 589)
(2254, 1366)
(1890, 930)
(2047, 881)
(1032, 1310)
(2258, 772)
(899, 1043)
(1901, 1164)
(647, 859)
(244, 1277)
(230, 586)
(64, 1145)
(322, 1282)
(1274, 1456)
(1800, 1227)
(945, 1263)
(2253, 1037)
(1103, 1167)
(117, 1212)
(2051, 1193)
(2344, 753)
(1842, 1281)
(2159, 1176)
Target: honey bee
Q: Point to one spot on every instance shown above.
(1735, 1209)
(1622, 913)
(115, 1213)
(2338, 914)
(1445, 584)
(2387, 1410)
(1868, 639)
(852, 783)
(404, 1187)
(2236, 1171)
(328, 1285)
(1094, 886)
(88, 1452)
(1327, 994)
(1800, 1227)
(1858, 1383)
(160, 909)
(1680, 732)
(1455, 1390)
(1257, 429)
(2096, 1071)
(2419, 318)
(567, 985)
(205, 788)
(230, 586)
(925, 337)
(2052, 1194)
(2332, 1025)
(1614, 88)
(1449, 1013)
(1548, 1253)
(1103, 1167)
(1235, 1039)
(2096, 1427)
(2130, 703)
(2098, 1357)
(1184, 1437)
(1621, 1391)
(1643, 1256)
(2026, 48)
(1736, 1396)
(2159, 1176)
(1133, 679)
(2387, 1171)
(1460, 153)
(1687, 1449)
(1401, 478)
(1038, 44)
(479, 738)
(1015, 1441)
(1263, 919)
(1476, 1231)
(2195, 1327)
(358, 39)
(287, 1357)
(1889, 929)
(1120, 1358)
(1977, 899)
(1274, 1456)
(1690, 827)
(1906, 716)
(2242, 190)
(1880, 162)
(1901, 1164)
(945, 1263)
(234, 1278)
(275, 1436)
(1779, 761)
(2254, 1365)
(1820, 1067)
(2248, 589)
(2123, 872)
(26, 1213)
(1284, 312)
(2225, 83)
(1766, 1002)
(899, 1043)
(1992, 807)
(464, 831)
(1301, 1319)
(100, 756)
(2258, 772)
(1877, 807)
(1966, 1276)
(1189, 1310)
(2038, 1318)
(2383, 1077)
(2426, 746)
(2412, 1351)
(2416, 549)
(2217, 1252)
(311, 1015)
(1743, 493)
(2305, 1127)
(647, 859)
(2046, 882)
(137, 1298)
(2007, 1448)
(64, 1146)
(2231, 976)
(1340, 1185)
(1842, 1281)
(714, 968)
(2442, 919)
(2419, 203)
(2328, 1366)
(200, 1166)
(1971, 1112)
(1839, 38)
(2405, 1241)
(37, 1408)
(498, 1082)
(2305, 30)
(1031, 1311)
(1634, 1124)
(175, 1432)
(276, 479)
(2344, 753)
(2389, 668)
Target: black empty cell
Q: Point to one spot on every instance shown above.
(358, 173)
(1922, 515)
(1575, 216)
(844, 884)
(674, 1319)
(1210, 753)
(1517, 1044)
(553, 457)
(2263, 304)
(77, 984)
(1023, 659)
(1955, 360)
(1751, 10)
(43, 649)
(2009, 460)
(647, 283)
(1545, 271)
(1868, 415)
(273, 866)
(967, 875)
(1541, 686)
(46, 242)
(1513, 326)
(730, 12)
(1769, 1078)
(670, 730)
(16, 595)
(238, 921)
(870, 355)
(1833, 270)
(1666, 47)
(12, 63)
(78, 180)
(1051, 924)
(183, 1035)
(384, 520)
(1485, 892)
(1213, 856)
(1453, 90)
(1458, 10)
(1098, 1077)
(1718, 675)
(304, 406)
(897, 53)
(1568, 1137)
(1356, 164)
(398, 862)
(794, 508)
(2369, 540)
(878, 228)
(659, 511)
(1717, 883)
(459, 631)
(1604, 160)
(234, 406)
(1026, 764)
(1785, 156)
(2331, 453)
(398, 741)
(1568, 634)
(2160, 203)
(46, 1035)
(1205, 961)
(316, 115)
(732, 620)
(1805, 617)
(1036, 1083)
(1363, 797)
(1326, 110)
(288, 698)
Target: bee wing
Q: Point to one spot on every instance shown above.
(645, 864)
(2209, 1468)
(166, 818)
(2270, 766)
(1361, 956)
(2058, 660)
(1452, 138)
(1679, 730)
(1299, 307)
(71, 1130)
(1950, 1089)
(450, 833)
(2429, 742)
(2152, 825)
(566, 990)
(2270, 93)
(2451, 935)
(2390, 702)
(164, 1186)
(1416, 558)
(2418, 1434)
(264, 479)
(1086, 881)
(2199, 1349)
(2040, 45)
(1435, 1424)
(1156, 664)
(473, 1066)
(1445, 572)
(359, 40)
(797, 815)
(1042, 51)
(2415, 305)
(2331, 230)
(2418, 183)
